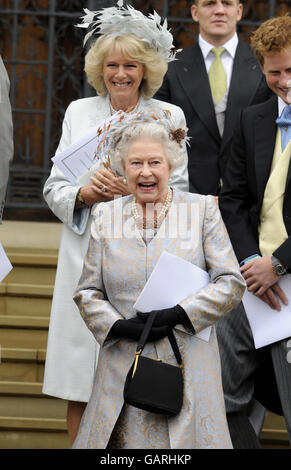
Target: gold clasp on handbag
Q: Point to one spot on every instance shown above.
(137, 354)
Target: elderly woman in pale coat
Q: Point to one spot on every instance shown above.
(126, 70)
(116, 268)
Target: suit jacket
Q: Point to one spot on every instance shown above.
(186, 84)
(6, 134)
(240, 203)
(246, 178)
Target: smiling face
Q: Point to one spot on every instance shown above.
(147, 170)
(122, 78)
(217, 19)
(277, 70)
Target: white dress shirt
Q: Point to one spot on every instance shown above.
(281, 106)
(227, 57)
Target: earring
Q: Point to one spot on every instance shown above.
(124, 181)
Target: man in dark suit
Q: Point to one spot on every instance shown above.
(6, 134)
(187, 85)
(255, 203)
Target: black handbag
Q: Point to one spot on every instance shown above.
(151, 384)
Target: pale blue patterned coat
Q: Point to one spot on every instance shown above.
(115, 271)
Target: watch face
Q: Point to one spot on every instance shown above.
(279, 269)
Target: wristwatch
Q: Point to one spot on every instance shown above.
(278, 267)
(80, 198)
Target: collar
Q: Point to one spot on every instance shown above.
(281, 106)
(230, 46)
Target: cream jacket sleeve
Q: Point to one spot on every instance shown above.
(59, 193)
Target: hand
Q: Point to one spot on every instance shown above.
(90, 196)
(272, 296)
(259, 275)
(133, 329)
(167, 317)
(114, 184)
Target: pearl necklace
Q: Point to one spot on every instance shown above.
(154, 223)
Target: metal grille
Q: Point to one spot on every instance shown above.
(43, 53)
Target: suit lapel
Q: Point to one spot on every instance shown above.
(288, 181)
(193, 78)
(265, 138)
(245, 79)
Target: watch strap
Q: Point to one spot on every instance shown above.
(80, 198)
(278, 267)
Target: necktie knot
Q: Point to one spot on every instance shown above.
(217, 51)
(284, 123)
(285, 118)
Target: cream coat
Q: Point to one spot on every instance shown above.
(72, 351)
(115, 271)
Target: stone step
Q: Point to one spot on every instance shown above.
(26, 400)
(14, 407)
(21, 388)
(18, 304)
(31, 275)
(36, 424)
(29, 419)
(23, 338)
(24, 438)
(32, 257)
(21, 321)
(23, 355)
(26, 290)
(23, 365)
(274, 431)
(35, 266)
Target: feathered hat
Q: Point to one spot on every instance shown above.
(120, 21)
(112, 129)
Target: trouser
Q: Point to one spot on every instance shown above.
(241, 364)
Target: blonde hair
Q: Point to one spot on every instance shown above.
(174, 153)
(273, 35)
(131, 48)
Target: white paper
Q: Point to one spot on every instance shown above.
(77, 159)
(5, 265)
(268, 325)
(173, 279)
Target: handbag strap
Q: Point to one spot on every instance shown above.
(175, 348)
(146, 331)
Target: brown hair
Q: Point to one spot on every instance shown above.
(273, 35)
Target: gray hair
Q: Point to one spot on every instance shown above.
(173, 151)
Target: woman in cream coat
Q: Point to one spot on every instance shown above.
(116, 268)
(125, 72)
